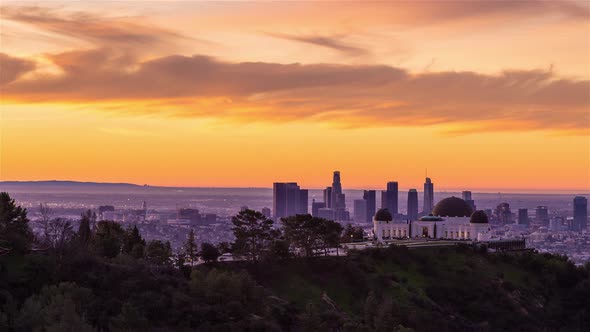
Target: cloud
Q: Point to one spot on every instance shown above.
(332, 42)
(122, 32)
(12, 68)
(348, 95)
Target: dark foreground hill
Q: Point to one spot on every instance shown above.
(450, 289)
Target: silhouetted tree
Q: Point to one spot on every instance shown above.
(84, 229)
(253, 232)
(45, 214)
(59, 233)
(352, 234)
(310, 234)
(209, 252)
(108, 238)
(191, 246)
(133, 243)
(330, 233)
(158, 252)
(15, 233)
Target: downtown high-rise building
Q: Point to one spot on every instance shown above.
(580, 222)
(316, 206)
(523, 216)
(503, 213)
(360, 210)
(413, 204)
(469, 199)
(371, 197)
(338, 198)
(328, 197)
(289, 199)
(542, 215)
(389, 198)
(428, 196)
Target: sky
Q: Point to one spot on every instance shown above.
(481, 95)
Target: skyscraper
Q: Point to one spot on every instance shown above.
(288, 199)
(266, 212)
(413, 204)
(428, 196)
(338, 199)
(503, 213)
(580, 221)
(542, 215)
(316, 206)
(467, 198)
(360, 210)
(371, 197)
(389, 198)
(303, 202)
(328, 197)
(523, 216)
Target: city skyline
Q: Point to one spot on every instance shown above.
(174, 95)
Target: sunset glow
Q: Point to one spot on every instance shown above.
(242, 94)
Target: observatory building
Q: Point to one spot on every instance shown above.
(451, 218)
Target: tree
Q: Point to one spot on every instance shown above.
(108, 238)
(14, 225)
(84, 230)
(158, 252)
(133, 243)
(279, 250)
(352, 234)
(224, 247)
(209, 252)
(59, 233)
(311, 234)
(191, 246)
(329, 231)
(45, 214)
(253, 232)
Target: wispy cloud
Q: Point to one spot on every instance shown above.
(102, 31)
(333, 42)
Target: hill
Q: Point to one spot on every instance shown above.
(451, 289)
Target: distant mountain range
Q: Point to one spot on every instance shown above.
(66, 183)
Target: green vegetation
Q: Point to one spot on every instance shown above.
(105, 278)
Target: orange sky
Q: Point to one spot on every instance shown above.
(487, 95)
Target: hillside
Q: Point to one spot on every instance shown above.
(374, 290)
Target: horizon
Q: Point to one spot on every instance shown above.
(542, 191)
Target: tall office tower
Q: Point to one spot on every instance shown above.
(523, 216)
(580, 222)
(371, 197)
(469, 200)
(316, 206)
(328, 197)
(389, 198)
(336, 185)
(466, 195)
(338, 203)
(542, 215)
(503, 213)
(303, 202)
(413, 204)
(266, 212)
(428, 196)
(338, 198)
(288, 199)
(360, 210)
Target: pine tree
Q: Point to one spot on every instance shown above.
(191, 246)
